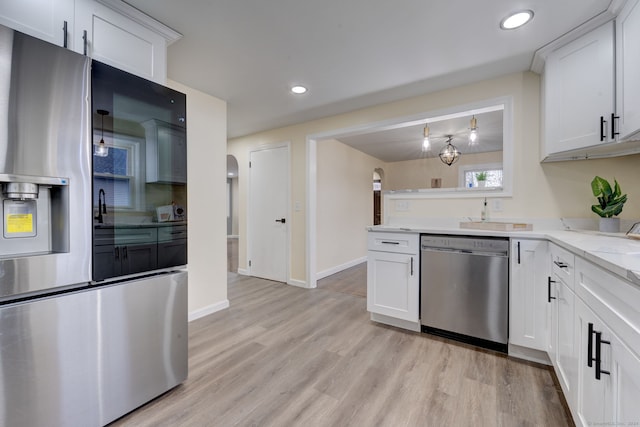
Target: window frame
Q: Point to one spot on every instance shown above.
(478, 167)
(135, 169)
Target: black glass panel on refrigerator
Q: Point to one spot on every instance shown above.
(139, 151)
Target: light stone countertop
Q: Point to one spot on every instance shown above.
(613, 252)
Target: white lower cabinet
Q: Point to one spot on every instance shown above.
(528, 294)
(566, 361)
(393, 284)
(609, 374)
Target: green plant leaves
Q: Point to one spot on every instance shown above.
(610, 202)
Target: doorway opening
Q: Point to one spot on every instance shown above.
(377, 196)
(232, 214)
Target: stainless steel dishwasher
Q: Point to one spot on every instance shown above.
(464, 289)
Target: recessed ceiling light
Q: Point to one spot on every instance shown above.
(516, 19)
(298, 89)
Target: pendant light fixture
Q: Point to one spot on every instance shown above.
(473, 135)
(100, 149)
(426, 144)
(449, 153)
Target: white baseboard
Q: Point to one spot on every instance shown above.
(210, 309)
(298, 283)
(243, 272)
(339, 268)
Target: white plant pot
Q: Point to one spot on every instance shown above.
(610, 225)
(481, 184)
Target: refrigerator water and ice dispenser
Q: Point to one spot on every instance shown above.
(35, 217)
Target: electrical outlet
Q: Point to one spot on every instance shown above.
(496, 205)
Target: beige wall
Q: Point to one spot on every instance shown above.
(415, 174)
(545, 191)
(345, 203)
(207, 169)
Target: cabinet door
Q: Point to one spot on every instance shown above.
(552, 319)
(591, 403)
(166, 152)
(566, 359)
(106, 262)
(139, 258)
(172, 254)
(43, 19)
(393, 285)
(625, 393)
(628, 68)
(528, 294)
(579, 89)
(116, 40)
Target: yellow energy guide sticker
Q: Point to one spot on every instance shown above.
(20, 223)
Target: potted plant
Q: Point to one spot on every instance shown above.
(610, 203)
(481, 177)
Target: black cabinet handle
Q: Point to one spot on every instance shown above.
(599, 342)
(518, 252)
(117, 252)
(602, 122)
(590, 358)
(613, 126)
(549, 297)
(84, 39)
(561, 264)
(412, 266)
(281, 220)
(65, 33)
(125, 253)
(389, 243)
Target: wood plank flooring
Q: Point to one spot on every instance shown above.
(285, 356)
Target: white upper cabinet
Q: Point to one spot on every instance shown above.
(43, 19)
(628, 70)
(579, 93)
(591, 92)
(114, 36)
(109, 31)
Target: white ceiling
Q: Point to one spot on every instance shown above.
(350, 54)
(405, 142)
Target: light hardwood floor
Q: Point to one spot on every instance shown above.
(285, 356)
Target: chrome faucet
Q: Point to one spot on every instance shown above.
(102, 206)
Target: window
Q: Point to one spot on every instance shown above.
(116, 174)
(469, 176)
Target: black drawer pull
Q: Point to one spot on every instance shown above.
(389, 243)
(599, 342)
(549, 297)
(602, 122)
(561, 264)
(590, 357)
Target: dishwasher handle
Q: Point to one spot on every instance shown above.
(464, 251)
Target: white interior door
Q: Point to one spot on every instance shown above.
(268, 213)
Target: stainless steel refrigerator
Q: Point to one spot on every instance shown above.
(74, 351)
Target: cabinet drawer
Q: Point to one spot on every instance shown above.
(405, 243)
(563, 264)
(613, 299)
(167, 234)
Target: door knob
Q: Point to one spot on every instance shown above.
(282, 220)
